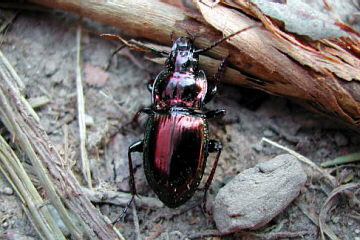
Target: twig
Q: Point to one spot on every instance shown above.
(14, 172)
(303, 159)
(350, 158)
(81, 111)
(136, 45)
(120, 198)
(327, 205)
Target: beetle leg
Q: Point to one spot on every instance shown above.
(216, 80)
(215, 113)
(135, 120)
(135, 147)
(214, 146)
(150, 84)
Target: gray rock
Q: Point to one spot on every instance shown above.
(258, 194)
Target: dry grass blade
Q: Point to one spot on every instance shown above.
(303, 159)
(58, 183)
(327, 205)
(14, 172)
(81, 111)
(5, 62)
(20, 131)
(350, 158)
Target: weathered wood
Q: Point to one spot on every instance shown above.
(325, 77)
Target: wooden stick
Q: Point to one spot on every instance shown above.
(282, 64)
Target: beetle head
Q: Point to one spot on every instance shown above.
(182, 57)
(182, 44)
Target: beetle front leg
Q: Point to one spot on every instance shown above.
(215, 113)
(214, 146)
(135, 147)
(135, 120)
(216, 79)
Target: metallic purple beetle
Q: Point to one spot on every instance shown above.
(176, 141)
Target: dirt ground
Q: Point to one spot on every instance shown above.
(42, 48)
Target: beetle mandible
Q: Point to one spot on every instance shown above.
(176, 141)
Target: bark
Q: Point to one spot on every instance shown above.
(323, 74)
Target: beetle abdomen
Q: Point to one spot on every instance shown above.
(174, 155)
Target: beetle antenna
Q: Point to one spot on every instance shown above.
(225, 38)
(137, 45)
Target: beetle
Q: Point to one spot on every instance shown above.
(176, 142)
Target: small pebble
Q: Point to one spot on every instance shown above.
(257, 147)
(357, 231)
(50, 68)
(89, 120)
(5, 224)
(7, 191)
(268, 133)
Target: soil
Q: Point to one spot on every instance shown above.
(41, 46)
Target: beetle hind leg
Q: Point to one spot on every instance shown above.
(135, 147)
(214, 146)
